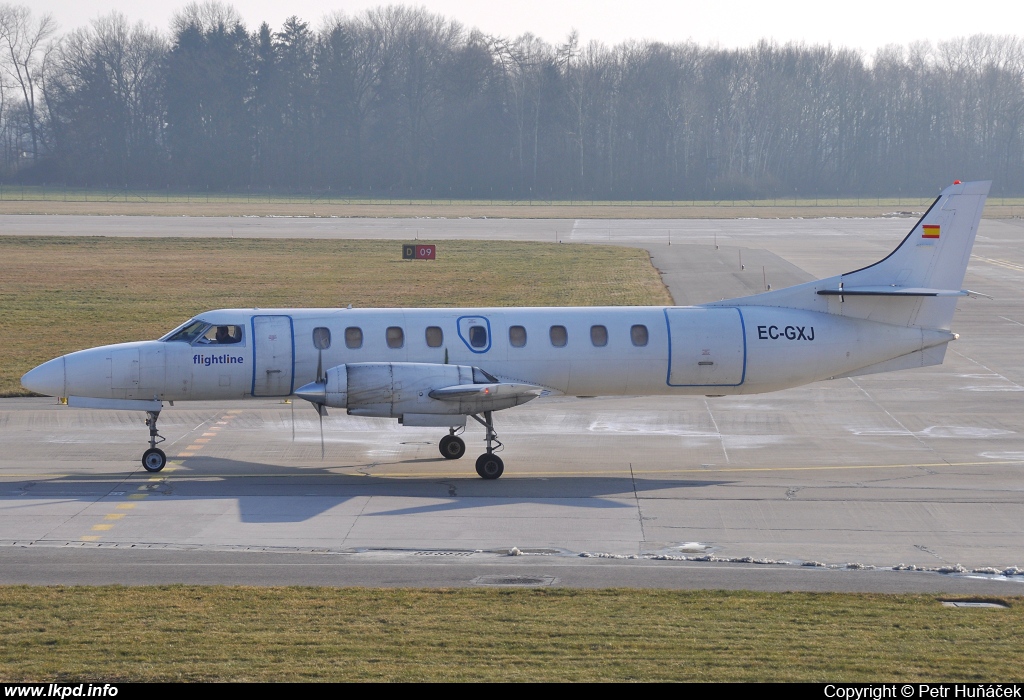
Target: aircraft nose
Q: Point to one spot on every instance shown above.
(46, 379)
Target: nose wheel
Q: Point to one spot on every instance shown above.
(153, 459)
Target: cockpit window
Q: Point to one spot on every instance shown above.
(202, 333)
(221, 335)
(188, 332)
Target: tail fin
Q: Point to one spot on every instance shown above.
(916, 284)
(934, 254)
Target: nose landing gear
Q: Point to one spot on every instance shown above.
(153, 459)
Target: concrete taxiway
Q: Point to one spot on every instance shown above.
(922, 468)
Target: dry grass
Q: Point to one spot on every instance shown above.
(302, 634)
(65, 294)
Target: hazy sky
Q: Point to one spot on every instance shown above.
(866, 24)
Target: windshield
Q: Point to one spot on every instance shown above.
(187, 333)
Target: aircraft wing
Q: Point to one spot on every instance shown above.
(474, 398)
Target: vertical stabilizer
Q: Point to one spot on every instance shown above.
(915, 285)
(934, 254)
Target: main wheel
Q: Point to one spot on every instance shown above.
(154, 459)
(451, 447)
(489, 466)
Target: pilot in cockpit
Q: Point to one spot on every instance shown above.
(224, 336)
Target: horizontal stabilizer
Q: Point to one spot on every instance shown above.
(884, 291)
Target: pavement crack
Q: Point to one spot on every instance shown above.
(365, 471)
(791, 492)
(721, 438)
(898, 422)
(636, 497)
(927, 550)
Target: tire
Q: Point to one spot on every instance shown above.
(451, 447)
(489, 466)
(153, 460)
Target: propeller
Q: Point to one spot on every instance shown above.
(321, 409)
(316, 392)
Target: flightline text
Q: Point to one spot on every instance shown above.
(208, 360)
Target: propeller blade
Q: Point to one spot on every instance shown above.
(320, 412)
(293, 419)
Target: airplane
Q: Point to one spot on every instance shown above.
(439, 367)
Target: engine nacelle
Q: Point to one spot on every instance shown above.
(393, 389)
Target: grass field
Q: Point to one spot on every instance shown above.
(185, 633)
(126, 202)
(66, 294)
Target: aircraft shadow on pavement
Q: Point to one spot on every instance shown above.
(270, 493)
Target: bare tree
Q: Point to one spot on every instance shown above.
(104, 100)
(22, 41)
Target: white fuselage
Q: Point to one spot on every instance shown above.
(580, 351)
(438, 367)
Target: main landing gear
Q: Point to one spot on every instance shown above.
(488, 465)
(153, 459)
(451, 445)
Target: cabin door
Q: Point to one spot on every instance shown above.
(274, 356)
(706, 347)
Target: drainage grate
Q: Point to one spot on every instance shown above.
(527, 581)
(435, 553)
(972, 604)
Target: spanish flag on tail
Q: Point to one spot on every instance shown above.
(930, 231)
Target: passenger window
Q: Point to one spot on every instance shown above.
(353, 338)
(478, 336)
(517, 336)
(435, 337)
(559, 336)
(321, 338)
(638, 334)
(396, 337)
(599, 336)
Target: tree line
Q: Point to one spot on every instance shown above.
(402, 101)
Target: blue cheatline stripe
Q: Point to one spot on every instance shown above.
(252, 325)
(291, 332)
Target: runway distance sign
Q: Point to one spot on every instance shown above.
(412, 251)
